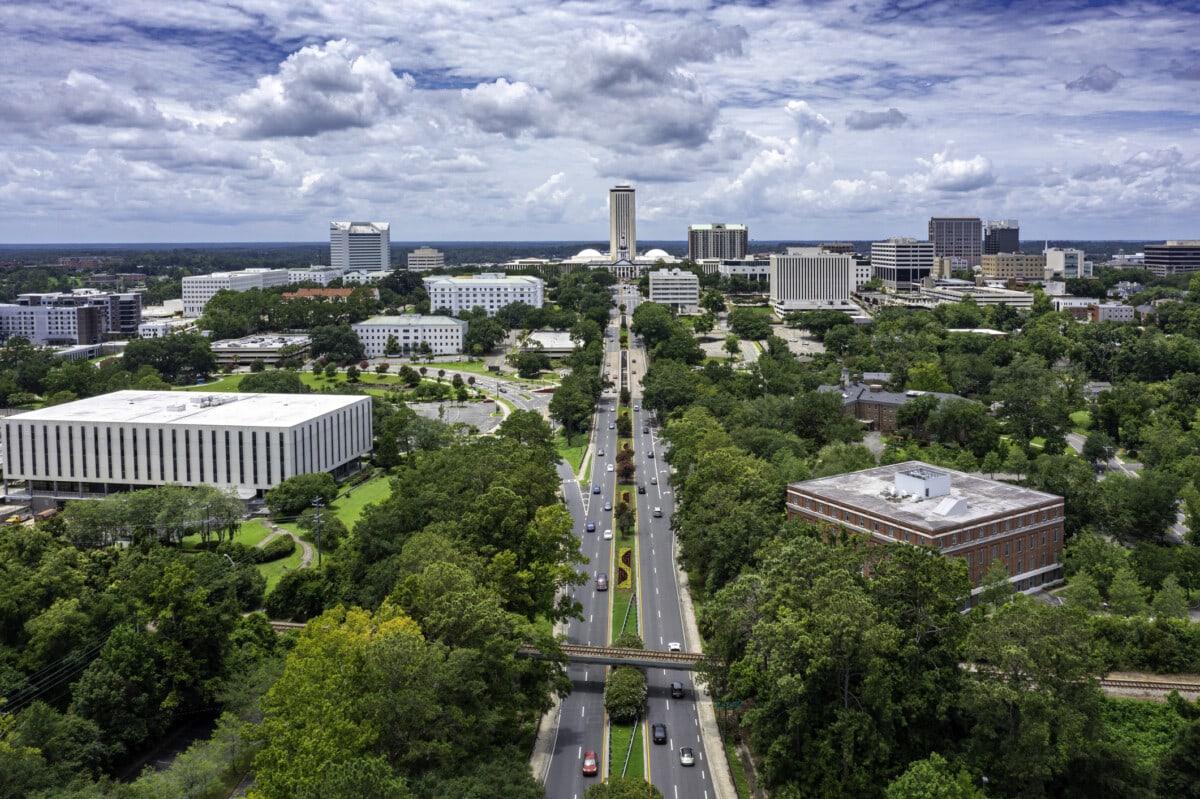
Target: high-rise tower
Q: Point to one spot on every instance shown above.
(1001, 235)
(360, 246)
(622, 223)
(957, 237)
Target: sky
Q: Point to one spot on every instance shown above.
(464, 120)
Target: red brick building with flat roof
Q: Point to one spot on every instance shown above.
(958, 514)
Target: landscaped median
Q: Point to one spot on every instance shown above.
(621, 736)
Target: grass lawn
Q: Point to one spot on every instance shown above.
(623, 597)
(740, 783)
(226, 383)
(1081, 421)
(275, 569)
(572, 451)
(350, 509)
(620, 736)
(249, 534)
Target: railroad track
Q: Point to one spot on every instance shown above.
(1164, 686)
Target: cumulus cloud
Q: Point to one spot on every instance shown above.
(508, 108)
(810, 125)
(873, 120)
(319, 89)
(945, 173)
(1098, 79)
(548, 202)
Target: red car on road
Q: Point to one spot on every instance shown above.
(590, 764)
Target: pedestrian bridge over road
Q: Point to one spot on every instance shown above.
(602, 655)
(617, 656)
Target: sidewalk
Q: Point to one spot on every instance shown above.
(710, 733)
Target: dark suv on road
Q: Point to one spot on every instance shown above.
(660, 733)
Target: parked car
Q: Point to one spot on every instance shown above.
(602, 581)
(591, 527)
(677, 690)
(687, 756)
(591, 765)
(660, 733)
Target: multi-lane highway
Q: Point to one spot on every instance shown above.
(581, 719)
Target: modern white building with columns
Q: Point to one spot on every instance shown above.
(129, 440)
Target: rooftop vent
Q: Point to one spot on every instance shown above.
(951, 506)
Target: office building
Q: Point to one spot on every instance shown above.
(622, 223)
(901, 263)
(199, 289)
(424, 259)
(717, 240)
(1172, 258)
(1001, 235)
(83, 316)
(958, 515)
(756, 270)
(957, 237)
(129, 440)
(320, 275)
(264, 348)
(407, 332)
(360, 246)
(1063, 264)
(806, 279)
(1110, 312)
(677, 289)
(490, 291)
(1013, 265)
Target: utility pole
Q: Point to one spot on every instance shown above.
(318, 503)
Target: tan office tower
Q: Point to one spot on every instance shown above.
(622, 223)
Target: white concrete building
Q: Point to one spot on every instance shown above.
(443, 334)
(320, 275)
(622, 223)
(140, 439)
(1063, 264)
(677, 289)
(424, 259)
(199, 289)
(360, 246)
(490, 291)
(902, 263)
(807, 279)
(83, 316)
(755, 269)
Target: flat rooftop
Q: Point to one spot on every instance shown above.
(870, 491)
(188, 408)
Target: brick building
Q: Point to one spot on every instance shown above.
(873, 405)
(957, 514)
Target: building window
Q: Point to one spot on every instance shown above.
(1019, 542)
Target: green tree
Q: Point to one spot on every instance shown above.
(531, 364)
(991, 464)
(1083, 591)
(732, 346)
(280, 381)
(1170, 601)
(713, 302)
(748, 323)
(704, 323)
(296, 494)
(625, 694)
(1126, 594)
(997, 588)
(1098, 448)
(933, 778)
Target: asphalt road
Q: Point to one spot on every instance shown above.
(581, 721)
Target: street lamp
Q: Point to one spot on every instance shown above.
(318, 503)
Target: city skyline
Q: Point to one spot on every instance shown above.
(245, 121)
